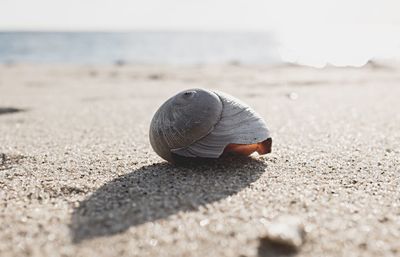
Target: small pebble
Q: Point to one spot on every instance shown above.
(3, 158)
(153, 242)
(155, 76)
(285, 231)
(293, 96)
(204, 222)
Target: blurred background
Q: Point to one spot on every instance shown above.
(309, 32)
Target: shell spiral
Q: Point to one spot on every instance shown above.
(201, 123)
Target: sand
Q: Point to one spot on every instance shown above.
(78, 176)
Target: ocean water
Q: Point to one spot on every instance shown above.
(138, 47)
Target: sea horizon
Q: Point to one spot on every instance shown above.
(155, 47)
(139, 47)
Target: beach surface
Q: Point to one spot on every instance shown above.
(78, 176)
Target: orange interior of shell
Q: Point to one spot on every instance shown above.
(262, 148)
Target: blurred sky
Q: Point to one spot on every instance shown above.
(314, 32)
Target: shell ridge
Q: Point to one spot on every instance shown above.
(208, 133)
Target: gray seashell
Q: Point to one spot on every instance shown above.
(203, 123)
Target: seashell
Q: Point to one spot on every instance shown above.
(206, 124)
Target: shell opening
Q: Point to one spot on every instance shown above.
(261, 148)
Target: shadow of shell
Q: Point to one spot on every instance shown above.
(157, 191)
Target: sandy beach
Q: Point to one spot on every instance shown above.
(78, 176)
